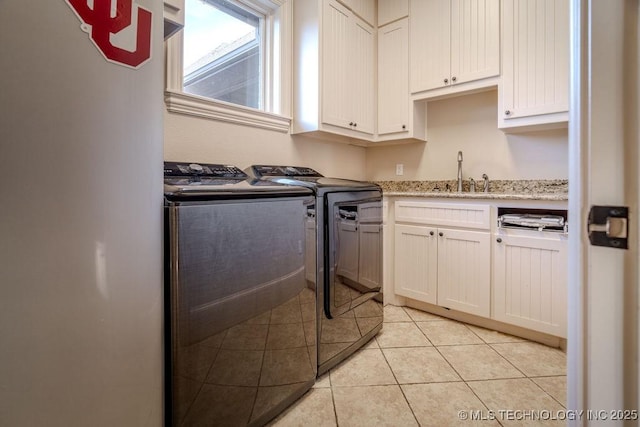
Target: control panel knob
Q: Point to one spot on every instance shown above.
(195, 168)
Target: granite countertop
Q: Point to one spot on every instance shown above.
(498, 189)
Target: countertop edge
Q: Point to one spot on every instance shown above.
(562, 197)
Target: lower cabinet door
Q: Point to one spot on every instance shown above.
(416, 262)
(464, 271)
(530, 282)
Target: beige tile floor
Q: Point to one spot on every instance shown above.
(423, 370)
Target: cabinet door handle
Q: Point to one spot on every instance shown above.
(404, 126)
(355, 125)
(446, 81)
(431, 233)
(441, 234)
(453, 79)
(499, 240)
(507, 113)
(351, 123)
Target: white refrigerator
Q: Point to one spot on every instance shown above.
(81, 139)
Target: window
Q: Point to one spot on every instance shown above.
(222, 52)
(230, 63)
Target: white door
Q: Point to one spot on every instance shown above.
(336, 40)
(604, 138)
(535, 61)
(429, 44)
(416, 263)
(530, 282)
(464, 271)
(475, 40)
(393, 78)
(361, 74)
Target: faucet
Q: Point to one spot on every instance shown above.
(472, 185)
(485, 185)
(459, 171)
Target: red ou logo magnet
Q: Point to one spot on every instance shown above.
(101, 22)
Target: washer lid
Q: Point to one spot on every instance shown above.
(307, 177)
(200, 181)
(210, 189)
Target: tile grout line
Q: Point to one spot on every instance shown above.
(333, 398)
(398, 384)
(545, 391)
(467, 383)
(454, 369)
(484, 342)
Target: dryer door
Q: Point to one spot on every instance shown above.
(354, 245)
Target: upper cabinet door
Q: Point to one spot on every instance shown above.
(475, 40)
(429, 35)
(453, 42)
(362, 72)
(393, 78)
(535, 59)
(337, 33)
(392, 10)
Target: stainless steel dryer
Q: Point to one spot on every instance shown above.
(349, 258)
(240, 312)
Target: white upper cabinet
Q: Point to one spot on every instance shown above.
(392, 10)
(334, 73)
(393, 78)
(453, 42)
(336, 42)
(429, 40)
(365, 9)
(347, 68)
(534, 91)
(362, 75)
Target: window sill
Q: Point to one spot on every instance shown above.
(193, 105)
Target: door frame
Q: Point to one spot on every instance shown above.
(603, 170)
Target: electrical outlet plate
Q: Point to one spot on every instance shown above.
(399, 169)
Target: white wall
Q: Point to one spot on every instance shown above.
(469, 123)
(209, 141)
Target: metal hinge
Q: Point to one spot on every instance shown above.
(609, 226)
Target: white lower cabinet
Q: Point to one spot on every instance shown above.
(530, 282)
(416, 262)
(464, 271)
(444, 266)
(453, 255)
